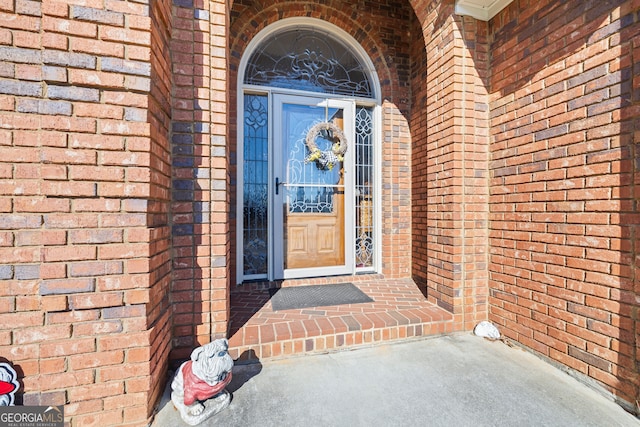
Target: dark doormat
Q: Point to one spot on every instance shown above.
(316, 296)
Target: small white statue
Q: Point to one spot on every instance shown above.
(487, 330)
(198, 388)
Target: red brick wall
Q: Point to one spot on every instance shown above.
(200, 197)
(83, 195)
(449, 127)
(564, 218)
(116, 243)
(158, 233)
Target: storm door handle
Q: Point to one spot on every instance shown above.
(278, 184)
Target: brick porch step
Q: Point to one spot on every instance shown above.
(399, 311)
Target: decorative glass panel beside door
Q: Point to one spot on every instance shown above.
(364, 188)
(255, 186)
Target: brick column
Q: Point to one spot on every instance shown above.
(83, 231)
(450, 161)
(200, 175)
(635, 154)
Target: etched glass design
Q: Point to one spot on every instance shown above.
(310, 189)
(307, 59)
(364, 187)
(255, 179)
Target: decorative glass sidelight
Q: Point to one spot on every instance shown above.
(364, 188)
(255, 185)
(308, 59)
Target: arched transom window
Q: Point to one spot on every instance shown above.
(305, 58)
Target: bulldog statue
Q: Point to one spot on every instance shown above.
(198, 387)
(8, 384)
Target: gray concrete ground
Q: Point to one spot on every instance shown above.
(456, 380)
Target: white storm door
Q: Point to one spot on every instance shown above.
(313, 209)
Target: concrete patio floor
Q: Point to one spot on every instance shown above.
(452, 380)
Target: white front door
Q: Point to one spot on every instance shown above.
(313, 204)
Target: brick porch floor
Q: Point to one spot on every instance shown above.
(399, 311)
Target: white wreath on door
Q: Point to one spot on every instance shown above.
(326, 159)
